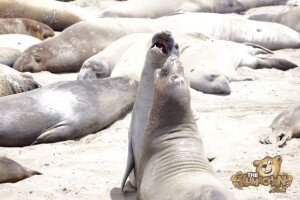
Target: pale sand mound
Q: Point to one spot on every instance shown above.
(93, 167)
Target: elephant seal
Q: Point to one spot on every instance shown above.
(288, 18)
(68, 51)
(64, 110)
(18, 41)
(236, 28)
(13, 82)
(155, 10)
(284, 127)
(57, 15)
(25, 26)
(173, 164)
(102, 64)
(9, 55)
(211, 64)
(11, 171)
(162, 46)
(261, 3)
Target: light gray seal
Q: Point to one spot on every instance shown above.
(11, 171)
(64, 110)
(289, 18)
(173, 165)
(162, 46)
(25, 26)
(9, 55)
(284, 127)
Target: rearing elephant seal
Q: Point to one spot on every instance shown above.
(11, 171)
(25, 26)
(173, 165)
(163, 45)
(64, 110)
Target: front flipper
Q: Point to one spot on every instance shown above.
(57, 134)
(279, 138)
(130, 164)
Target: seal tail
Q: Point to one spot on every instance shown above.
(33, 172)
(276, 63)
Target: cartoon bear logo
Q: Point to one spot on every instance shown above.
(268, 166)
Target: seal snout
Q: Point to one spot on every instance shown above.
(164, 41)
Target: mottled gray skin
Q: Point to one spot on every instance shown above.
(289, 18)
(9, 55)
(159, 8)
(25, 26)
(211, 64)
(64, 110)
(284, 127)
(163, 45)
(102, 64)
(11, 171)
(173, 165)
(57, 15)
(13, 82)
(68, 51)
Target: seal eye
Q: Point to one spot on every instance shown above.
(175, 79)
(37, 59)
(176, 46)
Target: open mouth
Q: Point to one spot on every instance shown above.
(161, 45)
(268, 171)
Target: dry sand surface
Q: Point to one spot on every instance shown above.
(92, 167)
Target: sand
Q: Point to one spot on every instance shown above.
(230, 126)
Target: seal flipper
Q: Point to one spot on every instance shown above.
(276, 63)
(57, 134)
(130, 164)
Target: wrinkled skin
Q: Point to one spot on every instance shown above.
(173, 165)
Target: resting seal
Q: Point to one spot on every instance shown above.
(11, 171)
(289, 18)
(18, 41)
(57, 15)
(102, 64)
(25, 26)
(211, 64)
(9, 55)
(64, 110)
(172, 163)
(162, 46)
(155, 8)
(13, 82)
(284, 127)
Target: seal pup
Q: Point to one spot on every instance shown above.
(13, 82)
(284, 127)
(57, 15)
(173, 164)
(11, 171)
(162, 46)
(211, 64)
(102, 64)
(64, 110)
(25, 26)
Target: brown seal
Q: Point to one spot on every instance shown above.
(25, 26)
(11, 171)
